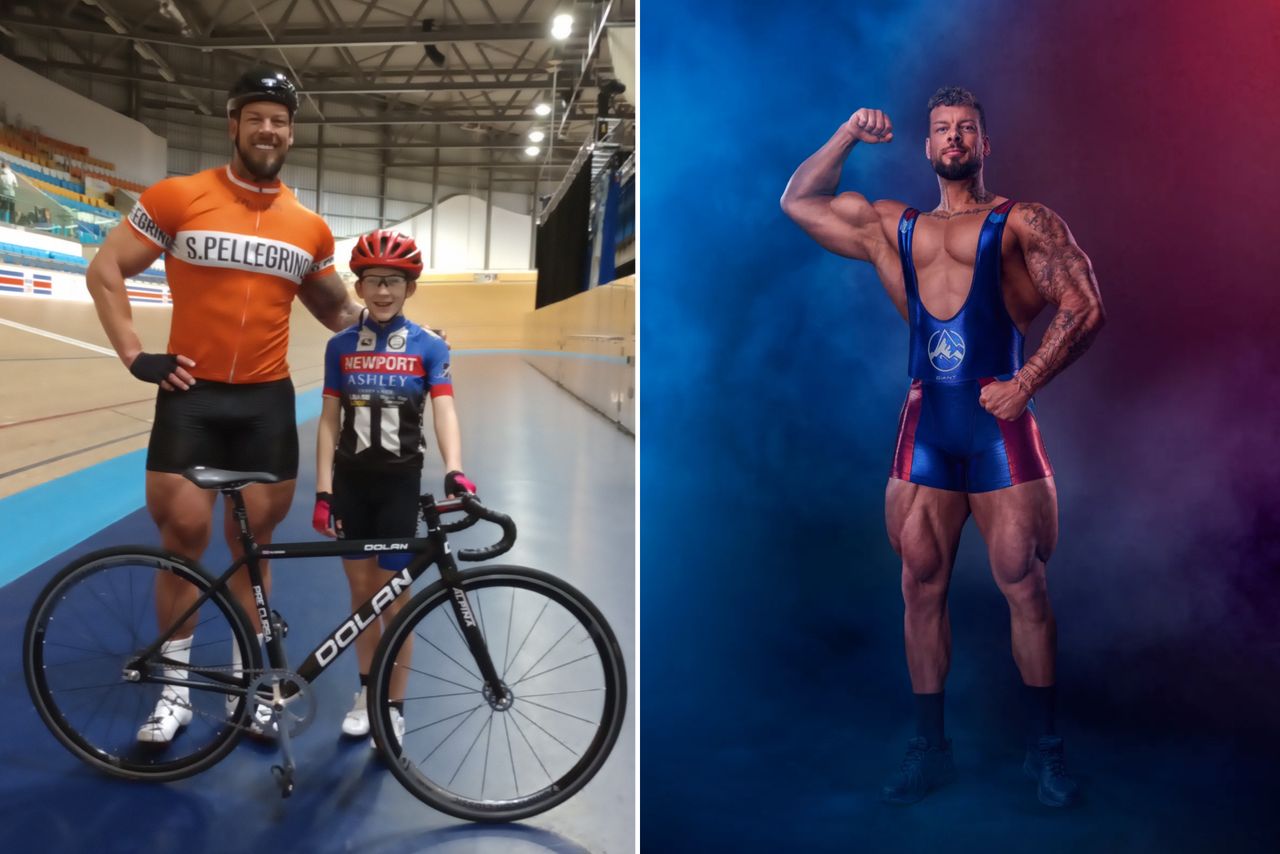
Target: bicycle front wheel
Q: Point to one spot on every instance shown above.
(89, 626)
(482, 758)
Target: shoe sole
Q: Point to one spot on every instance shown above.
(1041, 796)
(947, 780)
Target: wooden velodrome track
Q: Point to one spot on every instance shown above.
(71, 423)
(64, 407)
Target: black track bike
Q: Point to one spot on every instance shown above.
(513, 684)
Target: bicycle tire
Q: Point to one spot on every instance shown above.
(96, 576)
(432, 609)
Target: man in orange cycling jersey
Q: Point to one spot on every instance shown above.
(238, 248)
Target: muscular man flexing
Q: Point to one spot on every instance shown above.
(969, 277)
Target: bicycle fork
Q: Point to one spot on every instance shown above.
(495, 690)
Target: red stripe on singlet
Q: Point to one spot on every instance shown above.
(907, 422)
(1023, 446)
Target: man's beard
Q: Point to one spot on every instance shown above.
(253, 161)
(957, 170)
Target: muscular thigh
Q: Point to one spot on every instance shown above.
(1019, 525)
(924, 526)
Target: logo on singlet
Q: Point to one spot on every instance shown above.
(946, 350)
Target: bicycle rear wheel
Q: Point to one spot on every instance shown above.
(488, 761)
(94, 618)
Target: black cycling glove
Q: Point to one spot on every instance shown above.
(153, 367)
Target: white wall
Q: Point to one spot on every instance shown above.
(460, 237)
(139, 155)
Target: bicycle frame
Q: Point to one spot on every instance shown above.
(428, 550)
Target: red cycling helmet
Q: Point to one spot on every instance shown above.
(383, 248)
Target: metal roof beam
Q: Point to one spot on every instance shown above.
(305, 38)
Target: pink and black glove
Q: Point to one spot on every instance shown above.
(456, 483)
(322, 516)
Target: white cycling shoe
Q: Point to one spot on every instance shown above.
(172, 712)
(356, 723)
(397, 727)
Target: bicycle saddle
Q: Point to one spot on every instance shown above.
(210, 478)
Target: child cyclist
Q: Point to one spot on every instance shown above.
(378, 375)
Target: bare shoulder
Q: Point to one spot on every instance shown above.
(1036, 222)
(889, 209)
(889, 212)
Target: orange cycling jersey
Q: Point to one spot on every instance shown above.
(236, 253)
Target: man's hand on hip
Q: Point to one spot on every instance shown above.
(165, 369)
(1004, 399)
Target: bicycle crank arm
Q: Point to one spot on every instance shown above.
(284, 775)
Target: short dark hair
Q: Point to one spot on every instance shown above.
(955, 96)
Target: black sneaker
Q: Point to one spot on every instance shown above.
(1045, 765)
(924, 769)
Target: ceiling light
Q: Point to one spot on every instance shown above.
(532, 151)
(536, 136)
(542, 109)
(561, 26)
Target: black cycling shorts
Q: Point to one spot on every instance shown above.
(241, 427)
(376, 505)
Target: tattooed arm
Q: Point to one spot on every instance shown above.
(1061, 273)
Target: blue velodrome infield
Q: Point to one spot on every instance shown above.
(42, 521)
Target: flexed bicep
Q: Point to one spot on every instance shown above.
(846, 224)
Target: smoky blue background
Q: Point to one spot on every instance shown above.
(775, 698)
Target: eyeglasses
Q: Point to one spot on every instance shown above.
(392, 281)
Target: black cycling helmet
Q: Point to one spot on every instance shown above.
(263, 84)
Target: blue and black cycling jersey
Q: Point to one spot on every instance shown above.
(383, 375)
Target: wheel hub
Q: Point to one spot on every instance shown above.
(500, 704)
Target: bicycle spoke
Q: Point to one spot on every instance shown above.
(545, 732)
(137, 621)
(450, 733)
(115, 684)
(67, 713)
(98, 709)
(484, 769)
(441, 696)
(520, 648)
(472, 747)
(412, 669)
(57, 664)
(551, 669)
(86, 626)
(529, 744)
(128, 621)
(111, 612)
(561, 693)
(511, 753)
(83, 649)
(451, 658)
(544, 655)
(511, 613)
(442, 720)
(558, 711)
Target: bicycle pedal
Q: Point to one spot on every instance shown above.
(283, 779)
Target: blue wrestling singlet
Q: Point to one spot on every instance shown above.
(945, 438)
